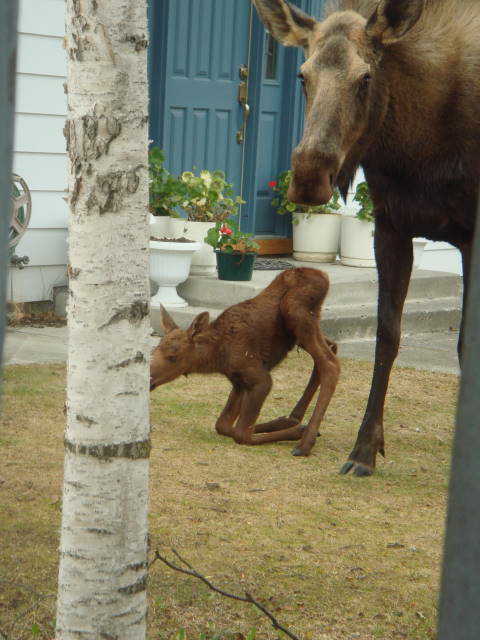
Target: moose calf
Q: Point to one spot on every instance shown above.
(245, 343)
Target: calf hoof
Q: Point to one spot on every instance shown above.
(358, 469)
(299, 452)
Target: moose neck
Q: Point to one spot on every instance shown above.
(205, 353)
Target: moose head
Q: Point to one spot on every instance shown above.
(345, 80)
(180, 352)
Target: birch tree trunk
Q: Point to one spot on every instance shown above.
(103, 549)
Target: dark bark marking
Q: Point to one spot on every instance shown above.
(138, 450)
(140, 42)
(127, 393)
(100, 532)
(134, 314)
(73, 273)
(84, 420)
(136, 587)
(75, 485)
(110, 188)
(138, 566)
(139, 358)
(70, 554)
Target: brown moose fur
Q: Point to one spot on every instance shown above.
(245, 343)
(392, 86)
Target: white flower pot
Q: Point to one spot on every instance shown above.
(169, 266)
(418, 247)
(316, 237)
(204, 262)
(160, 226)
(357, 244)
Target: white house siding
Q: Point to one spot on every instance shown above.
(39, 148)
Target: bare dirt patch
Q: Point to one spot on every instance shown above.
(332, 556)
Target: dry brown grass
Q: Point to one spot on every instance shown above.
(332, 556)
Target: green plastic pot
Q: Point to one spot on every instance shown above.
(235, 266)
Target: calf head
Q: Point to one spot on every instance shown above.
(345, 88)
(176, 354)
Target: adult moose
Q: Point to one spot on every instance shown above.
(392, 86)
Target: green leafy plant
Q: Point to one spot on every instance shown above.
(362, 196)
(166, 191)
(209, 197)
(284, 205)
(226, 236)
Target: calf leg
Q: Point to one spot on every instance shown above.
(328, 371)
(245, 431)
(296, 416)
(226, 420)
(394, 254)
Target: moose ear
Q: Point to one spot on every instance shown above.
(393, 19)
(167, 321)
(287, 24)
(199, 323)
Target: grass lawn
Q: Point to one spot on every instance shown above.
(334, 557)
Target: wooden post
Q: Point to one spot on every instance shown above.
(460, 597)
(8, 58)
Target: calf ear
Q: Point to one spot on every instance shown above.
(393, 19)
(287, 24)
(167, 321)
(199, 323)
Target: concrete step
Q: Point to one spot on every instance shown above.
(347, 286)
(343, 322)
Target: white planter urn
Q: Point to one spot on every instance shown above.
(356, 243)
(160, 226)
(316, 237)
(170, 266)
(418, 247)
(204, 262)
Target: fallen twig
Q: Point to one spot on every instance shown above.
(190, 571)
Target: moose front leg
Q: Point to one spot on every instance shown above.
(394, 255)
(246, 429)
(226, 420)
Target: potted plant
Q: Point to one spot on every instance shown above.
(169, 266)
(166, 193)
(316, 230)
(235, 251)
(208, 200)
(357, 237)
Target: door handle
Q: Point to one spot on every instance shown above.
(243, 100)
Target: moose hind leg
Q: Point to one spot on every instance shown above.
(328, 367)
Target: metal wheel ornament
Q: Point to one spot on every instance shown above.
(21, 210)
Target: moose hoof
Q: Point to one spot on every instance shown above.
(359, 470)
(298, 452)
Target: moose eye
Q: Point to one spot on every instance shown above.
(365, 82)
(172, 358)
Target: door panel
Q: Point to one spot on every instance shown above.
(207, 43)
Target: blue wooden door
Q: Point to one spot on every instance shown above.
(197, 49)
(207, 43)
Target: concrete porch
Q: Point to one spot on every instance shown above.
(350, 312)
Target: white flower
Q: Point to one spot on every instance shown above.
(206, 176)
(201, 202)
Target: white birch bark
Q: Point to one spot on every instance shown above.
(103, 549)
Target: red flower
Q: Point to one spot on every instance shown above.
(226, 231)
(272, 184)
